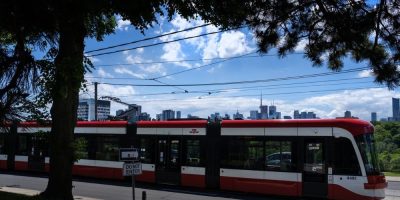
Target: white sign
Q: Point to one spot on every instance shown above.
(128, 154)
(130, 169)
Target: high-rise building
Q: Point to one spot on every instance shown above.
(131, 114)
(178, 114)
(86, 109)
(263, 110)
(237, 115)
(303, 115)
(347, 114)
(396, 109)
(278, 115)
(310, 115)
(296, 114)
(374, 117)
(144, 117)
(168, 114)
(253, 114)
(272, 112)
(215, 117)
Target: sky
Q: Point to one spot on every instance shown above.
(225, 57)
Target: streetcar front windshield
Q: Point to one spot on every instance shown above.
(366, 144)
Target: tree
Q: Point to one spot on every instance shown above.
(333, 28)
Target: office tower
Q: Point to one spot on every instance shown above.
(86, 109)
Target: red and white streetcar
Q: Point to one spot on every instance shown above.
(328, 158)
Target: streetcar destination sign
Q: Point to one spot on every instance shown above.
(130, 169)
(128, 154)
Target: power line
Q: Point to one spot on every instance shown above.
(202, 66)
(160, 43)
(246, 82)
(182, 71)
(284, 84)
(185, 91)
(275, 86)
(189, 60)
(257, 95)
(146, 39)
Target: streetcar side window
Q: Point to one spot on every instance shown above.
(345, 158)
(243, 153)
(193, 153)
(147, 150)
(2, 145)
(22, 145)
(107, 148)
(81, 147)
(279, 156)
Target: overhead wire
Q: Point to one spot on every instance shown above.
(202, 66)
(243, 82)
(190, 60)
(160, 43)
(275, 86)
(146, 39)
(257, 95)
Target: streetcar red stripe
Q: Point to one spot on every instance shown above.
(173, 124)
(97, 172)
(3, 164)
(19, 165)
(146, 176)
(193, 180)
(340, 193)
(274, 187)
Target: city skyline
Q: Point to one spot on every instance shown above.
(86, 112)
(228, 57)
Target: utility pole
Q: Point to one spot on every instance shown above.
(95, 101)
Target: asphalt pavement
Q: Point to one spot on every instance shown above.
(99, 189)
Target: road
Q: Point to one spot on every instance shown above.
(122, 191)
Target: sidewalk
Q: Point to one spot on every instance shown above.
(28, 192)
(393, 178)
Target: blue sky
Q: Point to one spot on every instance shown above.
(328, 96)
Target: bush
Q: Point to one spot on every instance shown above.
(395, 163)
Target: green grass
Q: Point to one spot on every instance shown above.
(392, 174)
(13, 196)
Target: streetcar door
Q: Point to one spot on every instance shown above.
(168, 164)
(36, 158)
(314, 170)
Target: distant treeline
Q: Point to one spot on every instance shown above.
(387, 138)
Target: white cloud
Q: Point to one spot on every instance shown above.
(133, 59)
(365, 73)
(233, 43)
(123, 70)
(154, 69)
(300, 46)
(111, 90)
(211, 48)
(123, 25)
(94, 60)
(102, 73)
(172, 52)
(146, 69)
(140, 50)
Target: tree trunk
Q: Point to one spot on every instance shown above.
(65, 94)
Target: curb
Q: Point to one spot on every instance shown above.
(29, 192)
(392, 178)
